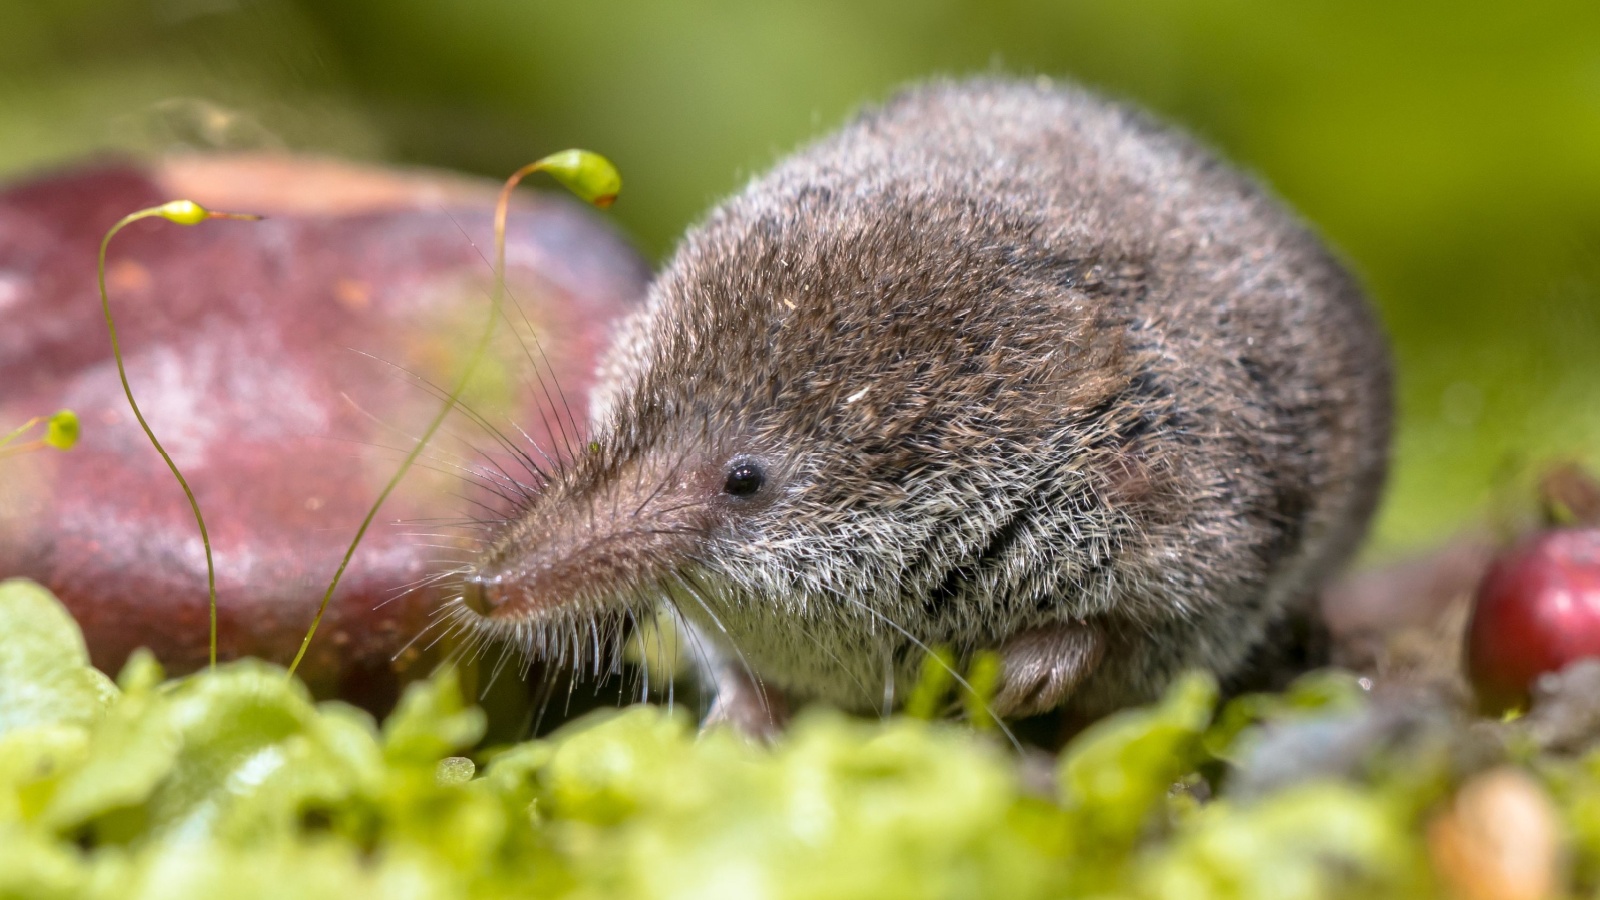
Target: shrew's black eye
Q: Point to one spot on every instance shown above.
(744, 479)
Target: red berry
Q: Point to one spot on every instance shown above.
(1537, 610)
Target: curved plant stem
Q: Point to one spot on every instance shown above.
(18, 450)
(61, 432)
(184, 213)
(559, 163)
(20, 431)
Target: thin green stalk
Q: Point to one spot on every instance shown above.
(588, 175)
(18, 450)
(26, 427)
(183, 212)
(60, 432)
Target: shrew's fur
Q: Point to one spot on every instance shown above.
(1022, 370)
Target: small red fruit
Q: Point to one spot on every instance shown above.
(1537, 610)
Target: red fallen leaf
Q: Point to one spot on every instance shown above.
(245, 345)
(1537, 610)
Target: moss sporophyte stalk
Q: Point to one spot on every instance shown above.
(60, 433)
(593, 178)
(590, 176)
(181, 212)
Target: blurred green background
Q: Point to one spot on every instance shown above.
(1450, 150)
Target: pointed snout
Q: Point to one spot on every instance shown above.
(484, 593)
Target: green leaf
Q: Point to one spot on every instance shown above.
(36, 868)
(33, 761)
(132, 750)
(254, 752)
(432, 722)
(45, 676)
(323, 870)
(1310, 842)
(933, 685)
(606, 766)
(1119, 771)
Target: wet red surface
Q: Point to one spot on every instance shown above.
(268, 358)
(1537, 610)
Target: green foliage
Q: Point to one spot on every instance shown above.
(1116, 775)
(45, 677)
(1451, 151)
(1310, 841)
(232, 782)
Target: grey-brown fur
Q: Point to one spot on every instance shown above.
(1026, 370)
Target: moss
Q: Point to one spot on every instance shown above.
(233, 782)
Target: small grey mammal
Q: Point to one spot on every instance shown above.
(998, 366)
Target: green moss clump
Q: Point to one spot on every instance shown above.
(234, 783)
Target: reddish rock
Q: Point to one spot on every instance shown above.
(269, 359)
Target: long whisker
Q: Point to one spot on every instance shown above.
(694, 592)
(471, 477)
(455, 402)
(567, 440)
(458, 464)
(420, 584)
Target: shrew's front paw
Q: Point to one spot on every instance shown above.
(751, 707)
(1041, 667)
